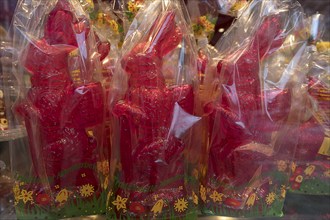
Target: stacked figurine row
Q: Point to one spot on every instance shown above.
(130, 112)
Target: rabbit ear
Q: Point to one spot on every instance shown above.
(269, 37)
(59, 26)
(63, 5)
(165, 35)
(62, 25)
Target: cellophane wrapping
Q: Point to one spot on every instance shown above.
(153, 111)
(232, 7)
(4, 81)
(108, 24)
(109, 31)
(203, 16)
(206, 92)
(126, 10)
(61, 103)
(311, 167)
(259, 84)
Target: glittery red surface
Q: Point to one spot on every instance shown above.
(57, 112)
(312, 132)
(245, 113)
(311, 135)
(151, 148)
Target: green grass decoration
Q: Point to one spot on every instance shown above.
(260, 208)
(72, 208)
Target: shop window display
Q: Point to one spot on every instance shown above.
(198, 49)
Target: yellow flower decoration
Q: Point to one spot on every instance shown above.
(86, 190)
(299, 179)
(207, 25)
(180, 205)
(281, 165)
(283, 191)
(62, 196)
(158, 207)
(114, 26)
(270, 198)
(203, 20)
(120, 203)
(103, 167)
(203, 170)
(17, 192)
(26, 196)
(198, 31)
(216, 197)
(108, 197)
(203, 193)
(309, 170)
(16, 189)
(88, 5)
(132, 7)
(238, 5)
(100, 22)
(323, 46)
(293, 166)
(251, 200)
(327, 173)
(195, 173)
(155, 197)
(195, 198)
(105, 184)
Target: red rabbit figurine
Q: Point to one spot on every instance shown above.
(151, 148)
(62, 109)
(246, 115)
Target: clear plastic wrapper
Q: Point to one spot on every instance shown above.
(61, 103)
(232, 7)
(311, 168)
(6, 185)
(203, 17)
(87, 5)
(248, 165)
(211, 18)
(126, 10)
(8, 130)
(8, 92)
(4, 63)
(109, 33)
(107, 23)
(153, 109)
(206, 91)
(206, 83)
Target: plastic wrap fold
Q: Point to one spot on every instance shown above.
(249, 163)
(62, 105)
(154, 115)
